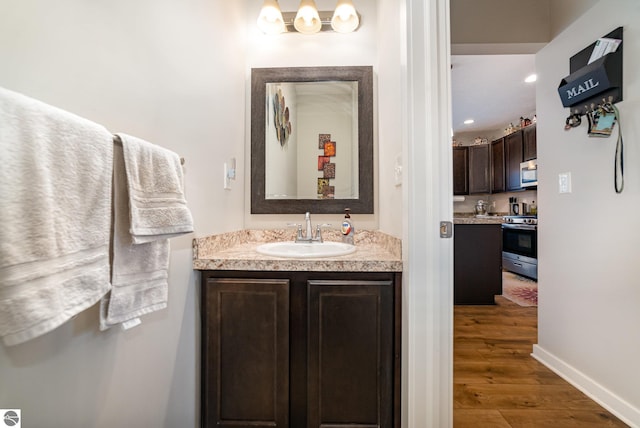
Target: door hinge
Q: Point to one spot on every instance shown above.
(446, 229)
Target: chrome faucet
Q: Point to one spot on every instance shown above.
(307, 222)
(308, 236)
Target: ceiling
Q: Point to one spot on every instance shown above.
(490, 89)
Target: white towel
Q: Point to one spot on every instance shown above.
(158, 208)
(55, 216)
(147, 182)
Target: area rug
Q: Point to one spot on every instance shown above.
(520, 290)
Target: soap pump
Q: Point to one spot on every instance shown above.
(347, 228)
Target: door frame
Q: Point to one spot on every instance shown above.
(428, 199)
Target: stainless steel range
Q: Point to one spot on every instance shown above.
(520, 245)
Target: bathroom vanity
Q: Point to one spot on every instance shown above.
(300, 342)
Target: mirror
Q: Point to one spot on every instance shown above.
(312, 140)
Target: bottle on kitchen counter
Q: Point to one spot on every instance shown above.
(533, 208)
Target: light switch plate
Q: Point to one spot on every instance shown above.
(564, 182)
(397, 170)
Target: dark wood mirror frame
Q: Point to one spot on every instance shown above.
(259, 78)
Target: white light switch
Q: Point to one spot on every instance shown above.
(564, 182)
(397, 170)
(229, 173)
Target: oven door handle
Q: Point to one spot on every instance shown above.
(519, 226)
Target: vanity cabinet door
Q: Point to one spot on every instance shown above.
(245, 352)
(350, 353)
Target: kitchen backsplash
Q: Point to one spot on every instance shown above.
(496, 203)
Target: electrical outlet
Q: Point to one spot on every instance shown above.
(564, 182)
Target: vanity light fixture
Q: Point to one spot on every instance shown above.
(270, 20)
(308, 20)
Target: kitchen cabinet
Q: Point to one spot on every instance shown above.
(301, 349)
(513, 158)
(460, 170)
(479, 169)
(477, 263)
(497, 166)
(529, 142)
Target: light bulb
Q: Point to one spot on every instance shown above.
(270, 20)
(345, 18)
(307, 20)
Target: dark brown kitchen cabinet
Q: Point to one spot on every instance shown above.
(460, 170)
(529, 143)
(497, 166)
(301, 349)
(479, 169)
(513, 158)
(477, 263)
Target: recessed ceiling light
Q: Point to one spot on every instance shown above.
(531, 78)
(468, 121)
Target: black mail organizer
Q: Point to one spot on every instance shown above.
(590, 85)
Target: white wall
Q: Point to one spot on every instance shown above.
(390, 114)
(169, 72)
(299, 50)
(589, 293)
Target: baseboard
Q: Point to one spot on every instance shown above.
(624, 411)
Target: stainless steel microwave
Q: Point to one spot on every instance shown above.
(529, 173)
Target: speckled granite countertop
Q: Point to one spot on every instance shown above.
(468, 218)
(376, 252)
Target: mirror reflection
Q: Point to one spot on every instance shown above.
(311, 148)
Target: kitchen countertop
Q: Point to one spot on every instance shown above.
(468, 218)
(375, 252)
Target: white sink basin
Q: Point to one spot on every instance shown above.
(296, 250)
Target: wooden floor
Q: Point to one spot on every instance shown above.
(498, 384)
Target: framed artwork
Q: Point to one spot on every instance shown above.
(328, 192)
(322, 183)
(323, 138)
(322, 160)
(329, 170)
(281, 118)
(330, 148)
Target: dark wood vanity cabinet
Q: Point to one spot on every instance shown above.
(301, 349)
(245, 352)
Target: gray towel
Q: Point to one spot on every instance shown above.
(55, 212)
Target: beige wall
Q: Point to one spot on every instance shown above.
(588, 239)
(160, 70)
